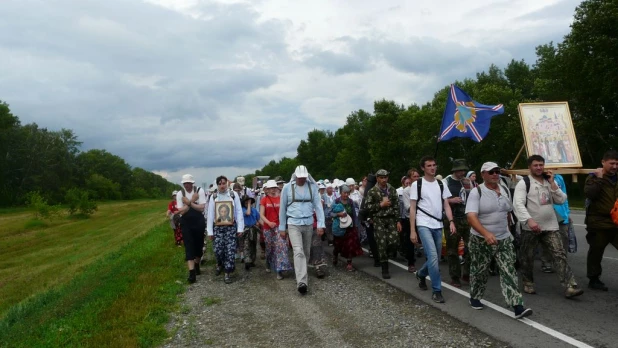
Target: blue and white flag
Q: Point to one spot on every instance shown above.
(465, 118)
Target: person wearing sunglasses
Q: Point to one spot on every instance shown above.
(487, 211)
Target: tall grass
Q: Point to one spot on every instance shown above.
(110, 287)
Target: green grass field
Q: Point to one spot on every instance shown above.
(109, 280)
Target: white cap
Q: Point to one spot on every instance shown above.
(350, 181)
(174, 193)
(301, 172)
(321, 186)
(187, 178)
(240, 180)
(326, 181)
(270, 184)
(487, 166)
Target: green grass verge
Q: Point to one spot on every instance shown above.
(122, 300)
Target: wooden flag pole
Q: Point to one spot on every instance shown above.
(518, 155)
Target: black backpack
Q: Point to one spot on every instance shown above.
(419, 183)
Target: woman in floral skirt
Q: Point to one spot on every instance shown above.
(277, 258)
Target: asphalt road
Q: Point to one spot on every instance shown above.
(588, 320)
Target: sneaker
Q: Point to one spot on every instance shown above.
(319, 272)
(573, 291)
(421, 282)
(228, 279)
(529, 289)
(218, 270)
(302, 288)
(461, 260)
(547, 269)
(437, 297)
(197, 269)
(279, 275)
(411, 269)
(476, 304)
(521, 312)
(466, 278)
(597, 284)
(456, 283)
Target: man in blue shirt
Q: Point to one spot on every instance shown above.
(250, 235)
(299, 200)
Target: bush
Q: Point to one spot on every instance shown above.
(79, 201)
(42, 210)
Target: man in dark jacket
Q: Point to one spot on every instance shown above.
(601, 192)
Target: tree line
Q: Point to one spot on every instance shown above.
(581, 69)
(35, 159)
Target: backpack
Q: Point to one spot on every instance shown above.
(184, 192)
(419, 183)
(301, 200)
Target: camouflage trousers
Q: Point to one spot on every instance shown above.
(481, 255)
(564, 234)
(452, 248)
(250, 240)
(386, 236)
(552, 242)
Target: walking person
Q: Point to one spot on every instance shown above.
(428, 203)
(563, 212)
(533, 201)
(382, 204)
(367, 222)
(191, 201)
(225, 224)
(347, 245)
(457, 203)
(487, 210)
(601, 191)
(408, 247)
(276, 246)
(250, 235)
(172, 210)
(299, 200)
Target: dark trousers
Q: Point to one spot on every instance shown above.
(597, 240)
(193, 235)
(408, 246)
(373, 246)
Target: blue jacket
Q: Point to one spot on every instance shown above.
(562, 210)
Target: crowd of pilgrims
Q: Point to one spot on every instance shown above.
(471, 226)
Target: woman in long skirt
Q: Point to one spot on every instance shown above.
(277, 258)
(347, 245)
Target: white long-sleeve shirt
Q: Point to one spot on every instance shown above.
(225, 197)
(540, 206)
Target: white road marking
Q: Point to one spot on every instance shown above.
(532, 323)
(579, 225)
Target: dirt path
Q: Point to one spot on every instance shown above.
(343, 310)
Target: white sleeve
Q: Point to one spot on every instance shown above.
(405, 197)
(414, 191)
(179, 203)
(447, 193)
(240, 219)
(211, 216)
(201, 197)
(474, 200)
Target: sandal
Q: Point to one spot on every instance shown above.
(349, 267)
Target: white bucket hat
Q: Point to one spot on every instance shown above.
(270, 184)
(350, 181)
(187, 178)
(174, 193)
(345, 222)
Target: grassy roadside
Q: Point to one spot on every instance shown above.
(103, 283)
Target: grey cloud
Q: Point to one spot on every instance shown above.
(338, 63)
(563, 9)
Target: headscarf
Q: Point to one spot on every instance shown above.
(469, 173)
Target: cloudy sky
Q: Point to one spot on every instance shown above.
(223, 87)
